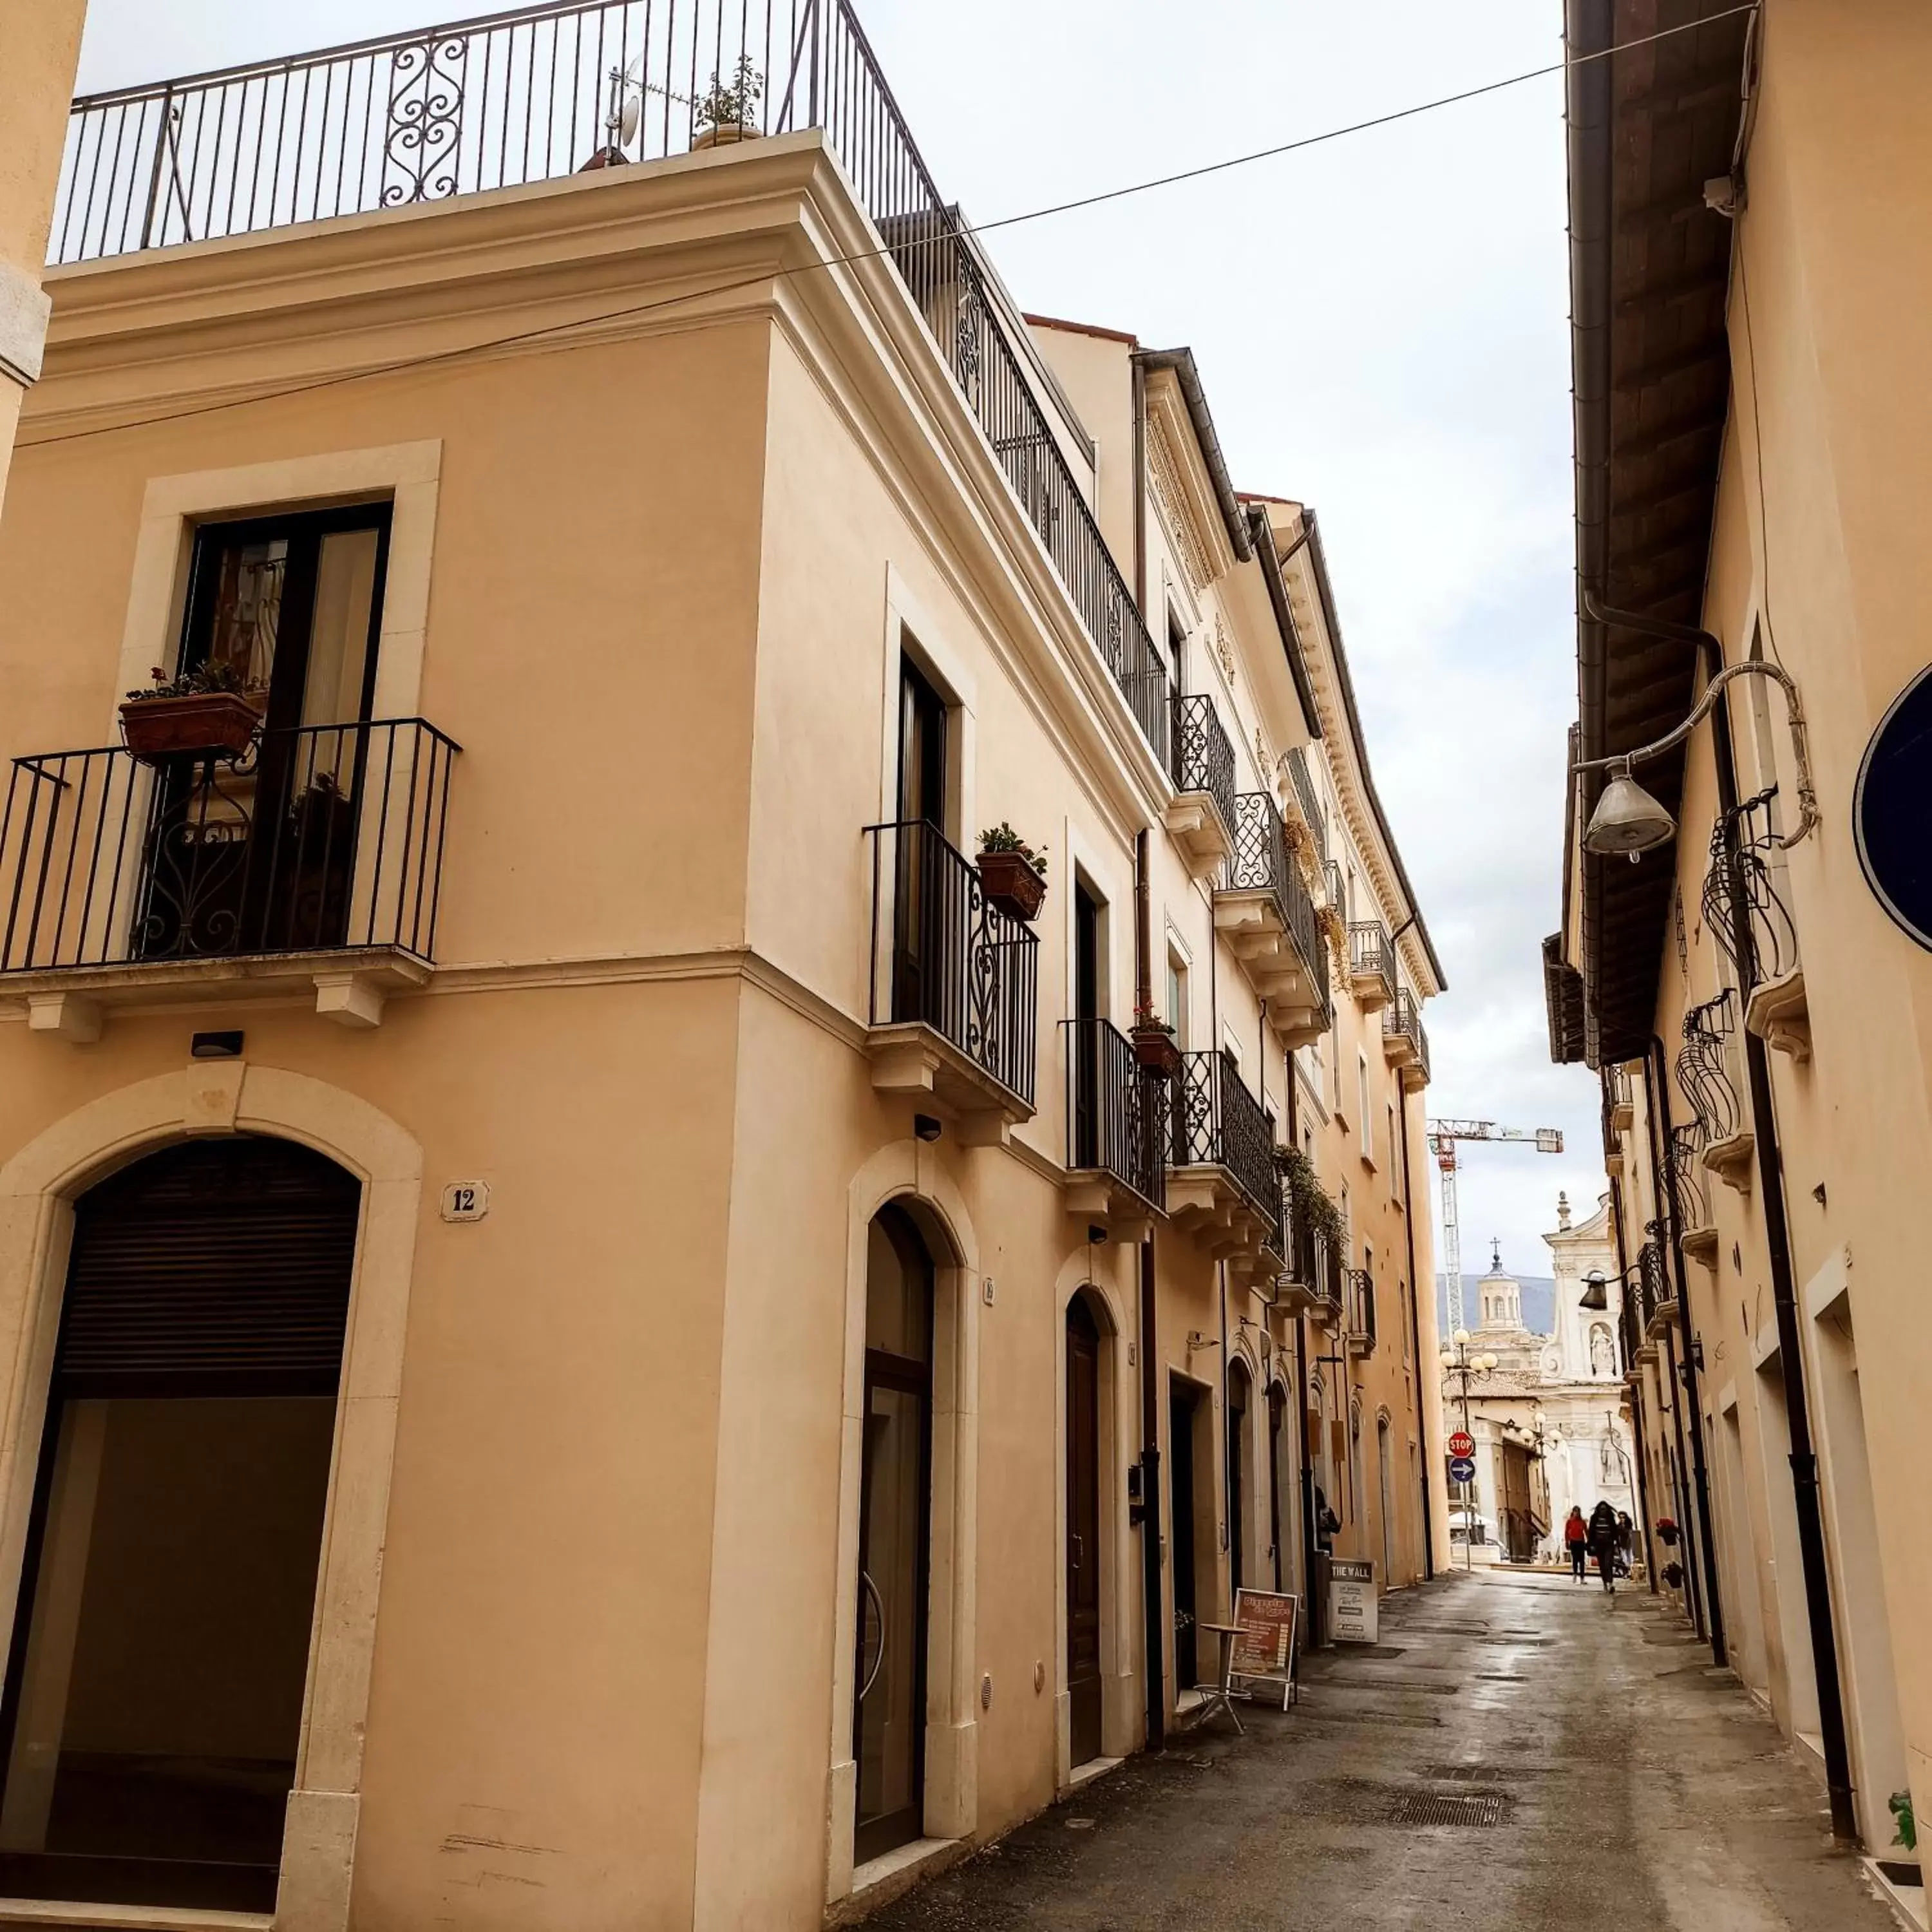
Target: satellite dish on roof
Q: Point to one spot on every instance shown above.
(632, 112)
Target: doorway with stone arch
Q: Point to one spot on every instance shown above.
(152, 1713)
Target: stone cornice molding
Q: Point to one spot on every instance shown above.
(767, 231)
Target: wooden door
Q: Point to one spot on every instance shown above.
(1181, 1544)
(1083, 1529)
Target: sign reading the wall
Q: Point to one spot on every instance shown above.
(1351, 1601)
(1264, 1649)
(465, 1201)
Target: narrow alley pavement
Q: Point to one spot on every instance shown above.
(1516, 1752)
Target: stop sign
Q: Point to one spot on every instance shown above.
(1462, 1444)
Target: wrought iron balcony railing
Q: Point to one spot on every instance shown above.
(1402, 1021)
(323, 838)
(1299, 778)
(1630, 1332)
(1203, 760)
(1262, 862)
(1371, 959)
(1360, 1288)
(1218, 1122)
(1741, 841)
(1656, 1292)
(944, 956)
(553, 89)
(1689, 1200)
(1704, 1071)
(1117, 1112)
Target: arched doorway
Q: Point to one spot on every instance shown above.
(1083, 1532)
(154, 1683)
(896, 1478)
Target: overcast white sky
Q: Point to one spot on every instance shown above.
(1380, 324)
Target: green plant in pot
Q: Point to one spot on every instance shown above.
(196, 711)
(1309, 1205)
(1900, 1804)
(727, 111)
(1012, 873)
(1154, 1045)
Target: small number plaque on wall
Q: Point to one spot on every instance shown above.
(465, 1201)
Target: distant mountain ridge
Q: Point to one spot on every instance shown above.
(1539, 1302)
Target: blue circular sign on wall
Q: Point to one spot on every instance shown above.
(1891, 809)
(1461, 1469)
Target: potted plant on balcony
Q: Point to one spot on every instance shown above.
(198, 711)
(1309, 1207)
(1666, 1531)
(724, 112)
(1012, 873)
(1154, 1046)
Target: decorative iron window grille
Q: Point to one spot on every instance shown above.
(1117, 1118)
(324, 838)
(1261, 862)
(1741, 841)
(1704, 1070)
(1218, 1122)
(943, 956)
(1203, 760)
(541, 92)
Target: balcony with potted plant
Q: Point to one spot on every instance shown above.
(1312, 1237)
(208, 855)
(954, 977)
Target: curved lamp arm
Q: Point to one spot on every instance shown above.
(1807, 796)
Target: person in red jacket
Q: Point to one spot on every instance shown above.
(1576, 1540)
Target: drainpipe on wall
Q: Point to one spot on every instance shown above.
(1814, 1568)
(1152, 1642)
(1415, 1334)
(1636, 1388)
(1415, 1297)
(1700, 1473)
(1784, 1301)
(1699, 1504)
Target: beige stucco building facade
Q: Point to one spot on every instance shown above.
(760, 1352)
(1750, 287)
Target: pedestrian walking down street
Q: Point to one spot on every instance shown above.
(1576, 1539)
(1603, 1535)
(1626, 1544)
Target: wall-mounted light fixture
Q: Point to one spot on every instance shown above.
(1627, 819)
(925, 1128)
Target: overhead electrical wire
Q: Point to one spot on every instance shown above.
(430, 358)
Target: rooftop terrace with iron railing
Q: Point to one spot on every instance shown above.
(572, 86)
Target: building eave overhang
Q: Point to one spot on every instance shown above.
(1181, 362)
(1649, 274)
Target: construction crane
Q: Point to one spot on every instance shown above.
(1443, 1135)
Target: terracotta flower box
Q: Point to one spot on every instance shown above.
(1155, 1049)
(205, 720)
(1010, 883)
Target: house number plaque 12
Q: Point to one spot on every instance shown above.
(465, 1201)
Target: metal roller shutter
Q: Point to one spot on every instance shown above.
(218, 1266)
